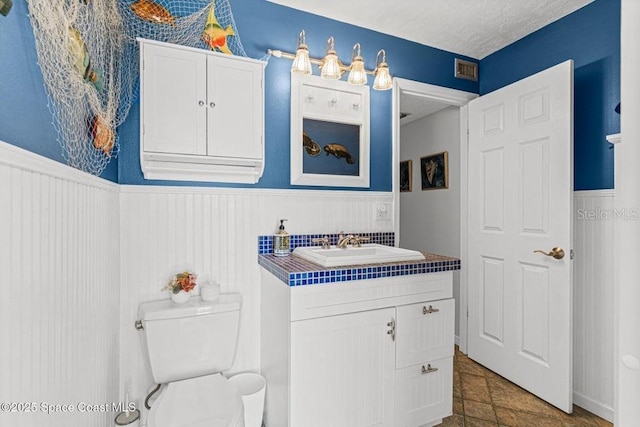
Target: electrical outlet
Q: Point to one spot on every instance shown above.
(383, 212)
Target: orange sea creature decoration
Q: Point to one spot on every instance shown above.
(153, 12)
(214, 35)
(103, 135)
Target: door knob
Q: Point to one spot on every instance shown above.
(557, 253)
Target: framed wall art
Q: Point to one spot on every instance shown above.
(434, 171)
(406, 176)
(329, 133)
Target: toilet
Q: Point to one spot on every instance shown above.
(187, 346)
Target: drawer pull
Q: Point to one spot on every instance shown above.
(429, 310)
(428, 369)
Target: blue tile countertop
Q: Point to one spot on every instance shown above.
(295, 271)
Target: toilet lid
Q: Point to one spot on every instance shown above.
(209, 401)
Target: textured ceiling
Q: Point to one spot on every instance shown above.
(474, 28)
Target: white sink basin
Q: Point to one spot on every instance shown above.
(366, 254)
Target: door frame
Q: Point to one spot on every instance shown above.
(453, 97)
(627, 243)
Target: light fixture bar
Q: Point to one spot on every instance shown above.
(283, 54)
(333, 68)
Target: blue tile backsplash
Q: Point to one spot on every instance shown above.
(295, 271)
(265, 243)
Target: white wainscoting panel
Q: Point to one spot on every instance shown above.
(214, 231)
(594, 329)
(59, 263)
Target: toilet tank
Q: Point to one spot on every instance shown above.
(192, 339)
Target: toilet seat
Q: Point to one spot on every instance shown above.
(208, 401)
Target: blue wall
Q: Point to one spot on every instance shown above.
(263, 25)
(25, 119)
(591, 37)
(26, 122)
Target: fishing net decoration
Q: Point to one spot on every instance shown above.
(88, 56)
(181, 22)
(79, 46)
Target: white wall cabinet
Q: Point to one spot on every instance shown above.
(363, 353)
(202, 114)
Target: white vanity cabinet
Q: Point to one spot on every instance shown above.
(375, 352)
(343, 370)
(201, 114)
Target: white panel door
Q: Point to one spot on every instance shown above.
(342, 370)
(173, 96)
(520, 201)
(235, 108)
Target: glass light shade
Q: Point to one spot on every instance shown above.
(357, 73)
(331, 66)
(301, 63)
(383, 79)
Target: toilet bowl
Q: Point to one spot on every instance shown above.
(208, 401)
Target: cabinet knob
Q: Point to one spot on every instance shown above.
(310, 97)
(201, 103)
(212, 104)
(356, 106)
(429, 310)
(334, 100)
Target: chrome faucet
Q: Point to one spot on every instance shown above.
(350, 239)
(343, 240)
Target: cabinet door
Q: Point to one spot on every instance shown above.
(424, 393)
(425, 331)
(342, 370)
(173, 98)
(235, 100)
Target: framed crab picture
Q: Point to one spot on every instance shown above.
(434, 171)
(329, 133)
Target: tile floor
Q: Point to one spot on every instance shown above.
(482, 398)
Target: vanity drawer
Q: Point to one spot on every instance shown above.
(424, 392)
(424, 331)
(308, 302)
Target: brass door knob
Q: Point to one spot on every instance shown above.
(557, 253)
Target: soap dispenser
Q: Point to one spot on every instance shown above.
(281, 241)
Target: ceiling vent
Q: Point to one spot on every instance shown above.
(466, 70)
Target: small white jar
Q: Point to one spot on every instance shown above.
(210, 292)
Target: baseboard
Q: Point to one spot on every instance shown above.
(600, 409)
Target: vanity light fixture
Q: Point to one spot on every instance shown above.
(301, 63)
(332, 68)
